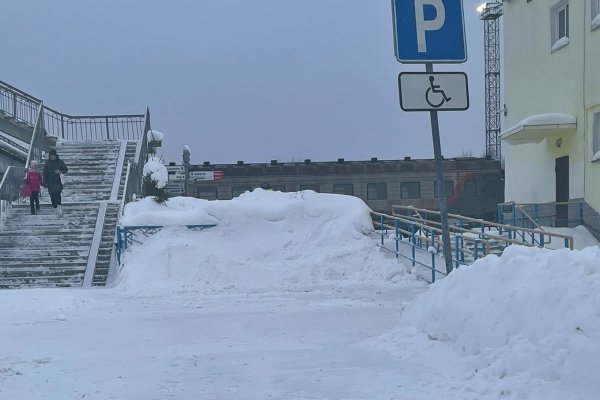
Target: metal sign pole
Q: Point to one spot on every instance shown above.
(437, 151)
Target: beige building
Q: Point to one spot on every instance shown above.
(552, 96)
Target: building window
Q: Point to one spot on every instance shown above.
(559, 25)
(470, 188)
(237, 190)
(596, 138)
(448, 187)
(309, 186)
(207, 193)
(343, 188)
(410, 190)
(595, 14)
(376, 191)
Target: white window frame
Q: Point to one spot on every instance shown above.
(596, 137)
(595, 14)
(559, 41)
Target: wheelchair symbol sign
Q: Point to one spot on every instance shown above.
(440, 91)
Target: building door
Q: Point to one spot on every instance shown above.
(561, 169)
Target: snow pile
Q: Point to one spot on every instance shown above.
(262, 239)
(530, 313)
(154, 135)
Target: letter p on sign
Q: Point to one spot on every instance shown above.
(424, 25)
(429, 31)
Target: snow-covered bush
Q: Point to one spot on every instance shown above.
(155, 180)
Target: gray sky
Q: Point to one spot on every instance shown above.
(250, 80)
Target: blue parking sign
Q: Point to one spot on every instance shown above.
(429, 31)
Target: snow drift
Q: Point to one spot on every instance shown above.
(262, 238)
(532, 312)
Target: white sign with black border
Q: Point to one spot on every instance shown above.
(436, 91)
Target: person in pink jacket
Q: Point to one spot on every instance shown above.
(33, 178)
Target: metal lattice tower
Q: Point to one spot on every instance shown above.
(490, 14)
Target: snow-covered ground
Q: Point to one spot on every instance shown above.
(288, 297)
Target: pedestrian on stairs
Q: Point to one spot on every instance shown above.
(53, 168)
(33, 178)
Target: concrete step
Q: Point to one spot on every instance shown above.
(6, 265)
(18, 262)
(45, 252)
(43, 282)
(49, 244)
(47, 241)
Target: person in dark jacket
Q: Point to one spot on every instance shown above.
(52, 170)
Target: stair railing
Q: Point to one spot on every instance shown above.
(18, 105)
(141, 154)
(132, 187)
(523, 219)
(128, 235)
(93, 127)
(12, 143)
(425, 243)
(10, 188)
(546, 214)
(38, 139)
(133, 176)
(509, 234)
(24, 109)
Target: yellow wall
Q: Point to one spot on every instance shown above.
(592, 100)
(537, 81)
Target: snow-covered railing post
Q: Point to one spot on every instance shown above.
(397, 234)
(414, 243)
(456, 251)
(381, 229)
(431, 249)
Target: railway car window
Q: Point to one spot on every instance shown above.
(278, 188)
(343, 188)
(448, 187)
(376, 191)
(314, 187)
(470, 188)
(237, 190)
(207, 193)
(410, 190)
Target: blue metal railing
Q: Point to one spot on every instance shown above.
(421, 243)
(470, 238)
(499, 234)
(542, 214)
(126, 234)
